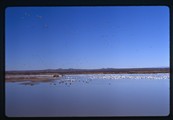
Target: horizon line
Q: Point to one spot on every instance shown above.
(85, 68)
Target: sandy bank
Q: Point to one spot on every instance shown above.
(32, 78)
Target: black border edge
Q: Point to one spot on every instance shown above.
(10, 3)
(2, 61)
(84, 2)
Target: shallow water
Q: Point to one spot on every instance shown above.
(90, 95)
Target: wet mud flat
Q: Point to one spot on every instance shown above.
(32, 78)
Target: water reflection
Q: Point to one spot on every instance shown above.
(90, 95)
(29, 83)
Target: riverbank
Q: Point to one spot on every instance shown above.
(32, 78)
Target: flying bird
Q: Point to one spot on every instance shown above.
(39, 16)
(27, 14)
(45, 26)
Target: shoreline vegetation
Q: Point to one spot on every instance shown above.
(52, 74)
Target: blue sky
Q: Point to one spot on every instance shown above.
(86, 37)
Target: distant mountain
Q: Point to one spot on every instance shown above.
(93, 71)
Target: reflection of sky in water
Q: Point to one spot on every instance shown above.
(91, 95)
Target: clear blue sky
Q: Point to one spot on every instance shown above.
(86, 37)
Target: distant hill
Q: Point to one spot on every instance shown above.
(93, 71)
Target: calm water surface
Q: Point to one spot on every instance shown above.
(90, 95)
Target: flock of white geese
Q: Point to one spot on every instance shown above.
(87, 78)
